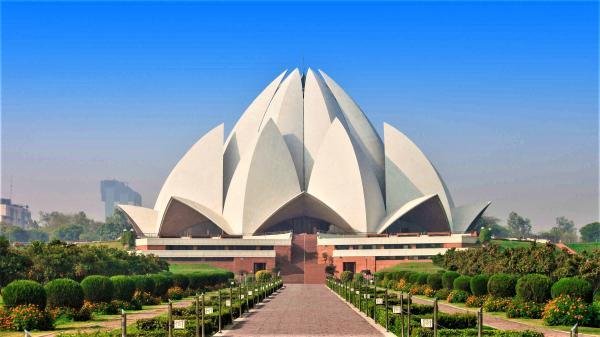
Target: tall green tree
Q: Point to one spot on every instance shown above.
(590, 232)
(13, 266)
(519, 225)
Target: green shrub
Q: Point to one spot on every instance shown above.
(457, 321)
(123, 288)
(567, 310)
(478, 285)
(457, 296)
(97, 288)
(346, 276)
(414, 278)
(422, 280)
(521, 309)
(475, 301)
(463, 283)
(64, 293)
(23, 292)
(434, 281)
(442, 294)
(264, 275)
(162, 284)
(448, 279)
(502, 285)
(29, 317)
(574, 287)
(406, 275)
(533, 288)
(426, 332)
(358, 277)
(180, 280)
(143, 283)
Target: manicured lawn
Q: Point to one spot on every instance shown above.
(428, 267)
(111, 244)
(192, 267)
(512, 244)
(588, 246)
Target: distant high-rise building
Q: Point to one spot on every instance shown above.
(117, 192)
(16, 215)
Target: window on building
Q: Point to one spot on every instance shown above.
(259, 266)
(349, 266)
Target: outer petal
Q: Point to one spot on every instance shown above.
(361, 129)
(262, 183)
(198, 175)
(245, 130)
(142, 219)
(342, 181)
(466, 216)
(424, 214)
(320, 109)
(410, 172)
(286, 111)
(184, 216)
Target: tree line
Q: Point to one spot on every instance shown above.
(521, 227)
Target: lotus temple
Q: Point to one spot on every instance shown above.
(303, 180)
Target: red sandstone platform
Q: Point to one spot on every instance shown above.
(303, 310)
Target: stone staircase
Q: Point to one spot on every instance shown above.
(303, 267)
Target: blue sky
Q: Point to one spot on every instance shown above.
(502, 96)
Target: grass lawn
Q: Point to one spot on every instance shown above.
(580, 247)
(111, 244)
(428, 267)
(512, 244)
(192, 267)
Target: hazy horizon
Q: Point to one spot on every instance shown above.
(501, 97)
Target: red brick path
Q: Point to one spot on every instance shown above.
(303, 310)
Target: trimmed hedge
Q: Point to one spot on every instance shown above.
(346, 276)
(502, 285)
(143, 283)
(448, 279)
(123, 288)
(201, 280)
(463, 283)
(97, 288)
(422, 280)
(162, 284)
(435, 281)
(263, 276)
(64, 293)
(533, 288)
(23, 292)
(180, 280)
(478, 285)
(574, 287)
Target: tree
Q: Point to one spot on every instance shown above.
(486, 221)
(128, 238)
(13, 265)
(564, 231)
(69, 233)
(114, 226)
(590, 232)
(518, 225)
(485, 235)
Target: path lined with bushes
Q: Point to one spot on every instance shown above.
(496, 322)
(304, 310)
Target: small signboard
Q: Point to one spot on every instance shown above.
(426, 322)
(242, 297)
(396, 309)
(208, 310)
(379, 301)
(357, 292)
(351, 289)
(368, 296)
(179, 324)
(227, 303)
(255, 289)
(249, 292)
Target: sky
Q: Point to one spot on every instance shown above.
(501, 96)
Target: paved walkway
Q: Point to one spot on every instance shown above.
(303, 310)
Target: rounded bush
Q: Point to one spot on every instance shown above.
(406, 275)
(435, 281)
(567, 310)
(23, 292)
(502, 285)
(123, 288)
(162, 284)
(414, 278)
(97, 288)
(574, 287)
(346, 276)
(358, 277)
(448, 279)
(64, 293)
(422, 280)
(143, 283)
(263, 275)
(180, 280)
(533, 288)
(463, 283)
(457, 296)
(478, 285)
(175, 293)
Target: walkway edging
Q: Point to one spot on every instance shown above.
(364, 316)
